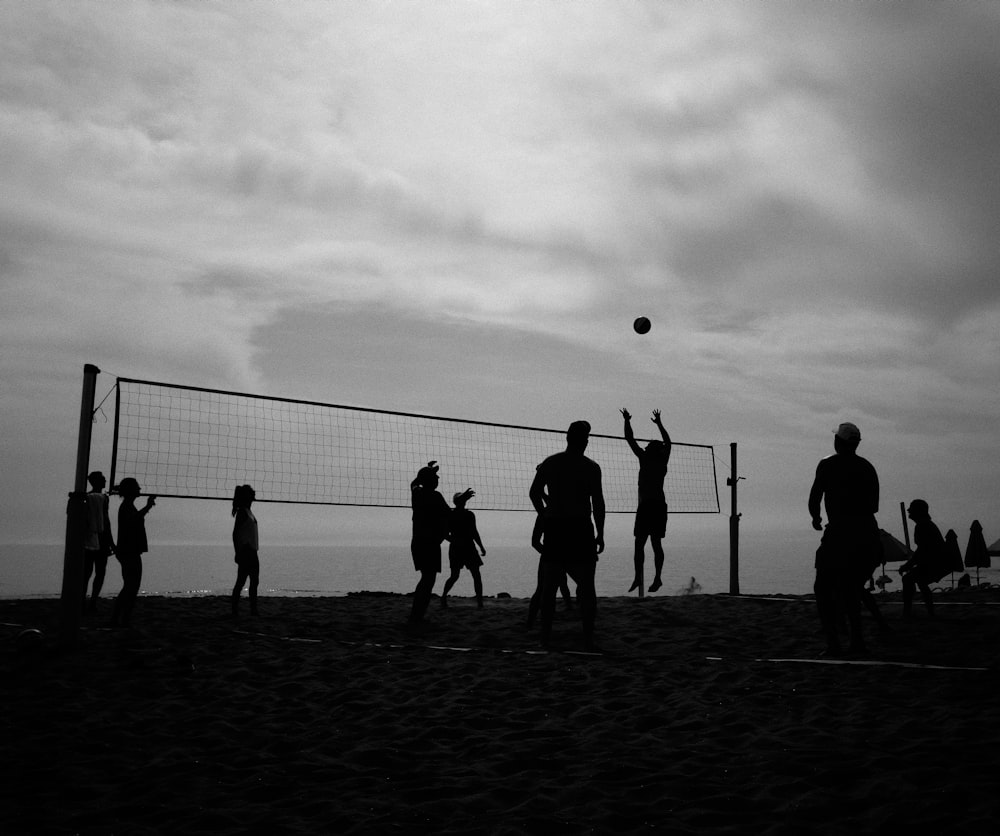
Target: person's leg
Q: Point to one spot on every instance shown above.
(925, 591)
(132, 577)
(564, 591)
(657, 545)
(100, 570)
(88, 568)
(551, 573)
(456, 570)
(638, 559)
(826, 606)
(536, 600)
(909, 586)
(254, 583)
(242, 573)
(586, 592)
(477, 585)
(422, 594)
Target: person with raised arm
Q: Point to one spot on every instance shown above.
(651, 512)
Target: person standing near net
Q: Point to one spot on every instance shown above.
(847, 485)
(246, 546)
(930, 559)
(462, 550)
(430, 529)
(651, 512)
(132, 544)
(566, 492)
(99, 543)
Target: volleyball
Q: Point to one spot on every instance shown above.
(641, 325)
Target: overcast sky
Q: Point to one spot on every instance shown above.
(458, 209)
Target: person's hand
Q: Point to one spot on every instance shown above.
(150, 501)
(625, 414)
(600, 543)
(656, 417)
(818, 523)
(482, 553)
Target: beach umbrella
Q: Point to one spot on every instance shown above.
(893, 551)
(976, 553)
(953, 554)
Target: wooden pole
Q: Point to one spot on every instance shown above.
(906, 525)
(76, 519)
(734, 527)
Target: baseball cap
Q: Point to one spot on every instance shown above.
(578, 428)
(848, 432)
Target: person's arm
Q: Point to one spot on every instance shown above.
(629, 435)
(536, 493)
(150, 502)
(597, 503)
(475, 536)
(815, 498)
(663, 432)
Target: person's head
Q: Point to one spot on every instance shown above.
(461, 498)
(918, 510)
(243, 497)
(656, 448)
(577, 436)
(97, 480)
(427, 476)
(128, 488)
(846, 438)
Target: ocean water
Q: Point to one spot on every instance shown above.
(770, 563)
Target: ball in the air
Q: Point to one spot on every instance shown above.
(641, 325)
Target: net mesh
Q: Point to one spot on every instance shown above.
(182, 441)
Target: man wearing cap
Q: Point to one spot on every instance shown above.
(929, 562)
(847, 486)
(567, 495)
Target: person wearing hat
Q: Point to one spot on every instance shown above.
(132, 544)
(430, 529)
(567, 494)
(462, 550)
(930, 558)
(99, 543)
(846, 485)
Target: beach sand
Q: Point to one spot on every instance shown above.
(330, 715)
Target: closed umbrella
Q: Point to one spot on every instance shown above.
(976, 553)
(953, 554)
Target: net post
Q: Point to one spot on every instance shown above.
(71, 607)
(734, 527)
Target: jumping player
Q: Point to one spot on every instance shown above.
(651, 513)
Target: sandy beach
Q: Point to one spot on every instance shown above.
(331, 715)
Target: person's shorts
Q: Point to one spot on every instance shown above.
(426, 555)
(464, 558)
(651, 520)
(569, 541)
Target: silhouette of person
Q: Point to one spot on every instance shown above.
(567, 493)
(462, 551)
(847, 485)
(537, 535)
(245, 546)
(132, 544)
(99, 543)
(430, 528)
(651, 513)
(930, 559)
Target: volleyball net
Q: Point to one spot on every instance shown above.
(189, 442)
